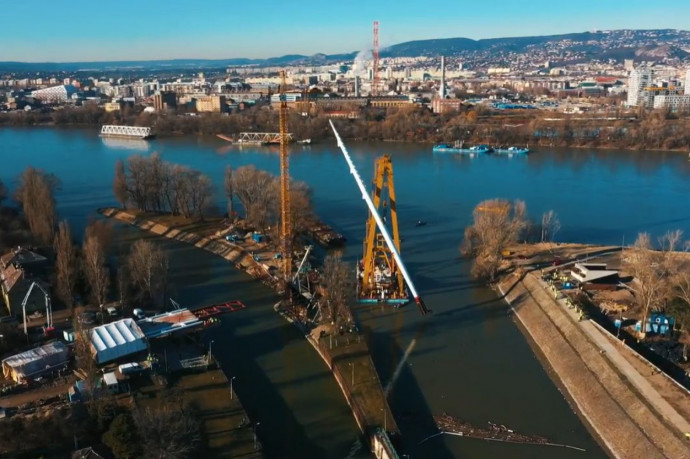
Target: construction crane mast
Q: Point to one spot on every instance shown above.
(285, 213)
(380, 278)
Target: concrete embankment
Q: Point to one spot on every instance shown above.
(343, 354)
(234, 253)
(624, 418)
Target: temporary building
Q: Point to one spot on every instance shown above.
(116, 339)
(34, 362)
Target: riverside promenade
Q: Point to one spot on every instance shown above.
(628, 415)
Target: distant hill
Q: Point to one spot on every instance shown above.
(652, 45)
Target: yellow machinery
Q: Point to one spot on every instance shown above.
(379, 278)
(285, 213)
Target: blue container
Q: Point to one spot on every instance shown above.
(258, 237)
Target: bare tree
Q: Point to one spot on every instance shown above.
(84, 357)
(95, 269)
(652, 271)
(168, 432)
(120, 184)
(148, 267)
(255, 190)
(36, 195)
(497, 225)
(229, 192)
(194, 193)
(3, 192)
(550, 225)
(66, 266)
(337, 290)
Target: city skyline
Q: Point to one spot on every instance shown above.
(161, 30)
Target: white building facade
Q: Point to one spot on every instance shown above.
(638, 80)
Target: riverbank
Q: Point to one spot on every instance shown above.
(628, 416)
(495, 128)
(344, 354)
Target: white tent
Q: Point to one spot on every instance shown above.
(33, 362)
(116, 339)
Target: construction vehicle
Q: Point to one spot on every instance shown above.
(49, 308)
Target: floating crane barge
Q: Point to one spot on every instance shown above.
(382, 235)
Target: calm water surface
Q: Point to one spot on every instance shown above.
(468, 359)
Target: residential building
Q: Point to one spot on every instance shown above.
(676, 102)
(638, 80)
(211, 104)
(164, 100)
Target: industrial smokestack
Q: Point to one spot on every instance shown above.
(442, 89)
(357, 88)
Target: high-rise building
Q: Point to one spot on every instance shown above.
(639, 79)
(442, 89)
(687, 82)
(164, 100)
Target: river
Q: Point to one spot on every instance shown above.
(468, 359)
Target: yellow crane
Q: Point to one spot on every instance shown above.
(285, 213)
(380, 279)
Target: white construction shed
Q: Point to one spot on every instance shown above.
(34, 362)
(116, 339)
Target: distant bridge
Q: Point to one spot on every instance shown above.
(136, 132)
(261, 137)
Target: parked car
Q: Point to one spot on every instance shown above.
(138, 313)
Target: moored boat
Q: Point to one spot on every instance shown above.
(512, 151)
(458, 148)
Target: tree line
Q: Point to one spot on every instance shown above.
(657, 129)
(150, 184)
(79, 268)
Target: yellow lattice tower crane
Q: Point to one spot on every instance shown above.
(379, 277)
(285, 214)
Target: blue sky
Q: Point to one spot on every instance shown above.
(43, 30)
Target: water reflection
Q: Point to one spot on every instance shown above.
(117, 143)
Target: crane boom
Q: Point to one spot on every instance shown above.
(379, 222)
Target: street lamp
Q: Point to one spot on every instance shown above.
(209, 350)
(255, 426)
(385, 419)
(231, 380)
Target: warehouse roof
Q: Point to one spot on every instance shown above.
(117, 339)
